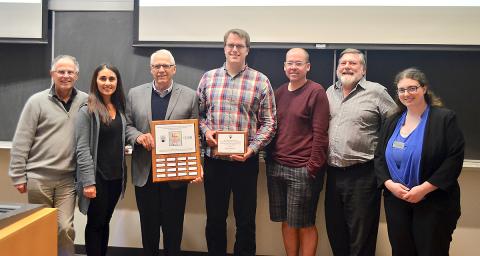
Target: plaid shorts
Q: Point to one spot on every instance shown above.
(293, 194)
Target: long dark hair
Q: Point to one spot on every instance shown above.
(95, 99)
(417, 75)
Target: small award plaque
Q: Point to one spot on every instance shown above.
(231, 143)
(176, 155)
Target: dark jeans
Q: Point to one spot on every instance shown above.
(352, 209)
(223, 177)
(161, 206)
(99, 213)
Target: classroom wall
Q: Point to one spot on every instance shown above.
(100, 36)
(28, 72)
(125, 224)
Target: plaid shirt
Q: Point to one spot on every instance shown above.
(244, 102)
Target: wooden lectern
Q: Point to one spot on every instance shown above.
(31, 233)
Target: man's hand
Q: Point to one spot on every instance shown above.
(210, 138)
(22, 188)
(200, 178)
(90, 191)
(146, 140)
(244, 157)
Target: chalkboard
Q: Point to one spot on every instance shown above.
(106, 36)
(452, 77)
(24, 70)
(96, 37)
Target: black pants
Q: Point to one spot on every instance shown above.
(99, 214)
(352, 209)
(424, 228)
(222, 178)
(161, 206)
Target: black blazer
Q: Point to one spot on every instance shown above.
(442, 153)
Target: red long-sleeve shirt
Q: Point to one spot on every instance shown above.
(302, 133)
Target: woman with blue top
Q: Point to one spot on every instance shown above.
(100, 146)
(418, 160)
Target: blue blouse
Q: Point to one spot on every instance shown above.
(403, 154)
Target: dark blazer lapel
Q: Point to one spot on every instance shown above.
(173, 101)
(427, 140)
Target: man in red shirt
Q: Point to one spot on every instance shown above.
(297, 155)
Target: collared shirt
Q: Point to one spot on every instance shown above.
(162, 93)
(355, 121)
(244, 102)
(67, 104)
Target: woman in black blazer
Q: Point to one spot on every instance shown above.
(418, 160)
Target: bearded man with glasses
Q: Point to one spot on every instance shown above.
(352, 200)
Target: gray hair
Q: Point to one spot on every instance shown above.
(363, 59)
(162, 52)
(62, 57)
(240, 33)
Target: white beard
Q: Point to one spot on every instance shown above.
(348, 79)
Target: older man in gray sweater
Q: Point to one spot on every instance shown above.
(42, 156)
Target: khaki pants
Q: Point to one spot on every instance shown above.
(60, 194)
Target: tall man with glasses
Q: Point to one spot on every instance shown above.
(42, 156)
(352, 201)
(297, 155)
(160, 205)
(234, 97)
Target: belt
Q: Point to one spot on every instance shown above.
(352, 167)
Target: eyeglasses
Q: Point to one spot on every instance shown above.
(239, 46)
(297, 64)
(410, 89)
(65, 72)
(164, 66)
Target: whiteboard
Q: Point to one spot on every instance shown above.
(176, 21)
(22, 20)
